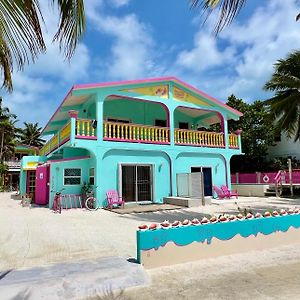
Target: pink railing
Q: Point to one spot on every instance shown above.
(266, 177)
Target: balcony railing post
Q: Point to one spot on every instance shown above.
(238, 133)
(73, 115)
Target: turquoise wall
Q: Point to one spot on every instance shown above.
(22, 183)
(138, 112)
(57, 178)
(185, 161)
(158, 160)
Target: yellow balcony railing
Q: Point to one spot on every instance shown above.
(57, 140)
(84, 129)
(65, 133)
(135, 133)
(233, 141)
(199, 138)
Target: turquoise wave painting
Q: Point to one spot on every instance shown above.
(182, 236)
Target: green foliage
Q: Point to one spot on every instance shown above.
(86, 188)
(285, 105)
(30, 135)
(280, 163)
(257, 135)
(7, 133)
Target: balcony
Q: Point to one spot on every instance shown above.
(13, 165)
(137, 133)
(199, 138)
(84, 130)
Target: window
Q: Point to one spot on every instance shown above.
(118, 120)
(161, 123)
(72, 176)
(92, 176)
(183, 125)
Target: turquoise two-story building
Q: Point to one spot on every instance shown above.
(134, 137)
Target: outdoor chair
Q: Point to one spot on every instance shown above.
(219, 192)
(229, 193)
(113, 198)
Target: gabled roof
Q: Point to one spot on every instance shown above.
(70, 99)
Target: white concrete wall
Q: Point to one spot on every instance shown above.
(255, 190)
(286, 147)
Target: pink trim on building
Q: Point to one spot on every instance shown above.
(134, 82)
(135, 141)
(84, 137)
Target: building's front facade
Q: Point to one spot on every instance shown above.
(135, 137)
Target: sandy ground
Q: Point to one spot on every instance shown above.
(36, 236)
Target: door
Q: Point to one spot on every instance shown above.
(136, 183)
(128, 183)
(30, 184)
(207, 178)
(207, 181)
(42, 185)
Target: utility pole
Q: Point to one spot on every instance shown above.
(290, 176)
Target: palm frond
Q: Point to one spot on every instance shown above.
(71, 25)
(228, 10)
(21, 37)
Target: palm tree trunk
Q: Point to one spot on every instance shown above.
(2, 143)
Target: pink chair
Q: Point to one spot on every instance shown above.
(229, 193)
(219, 192)
(113, 198)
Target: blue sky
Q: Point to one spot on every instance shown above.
(134, 39)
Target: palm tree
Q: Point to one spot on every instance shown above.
(229, 9)
(21, 36)
(30, 135)
(285, 105)
(7, 132)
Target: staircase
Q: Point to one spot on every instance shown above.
(279, 179)
(271, 191)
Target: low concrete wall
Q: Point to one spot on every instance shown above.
(172, 254)
(256, 190)
(173, 245)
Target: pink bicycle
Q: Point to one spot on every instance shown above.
(57, 202)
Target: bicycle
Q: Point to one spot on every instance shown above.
(91, 202)
(57, 202)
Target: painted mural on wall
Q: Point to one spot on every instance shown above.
(161, 91)
(224, 228)
(181, 95)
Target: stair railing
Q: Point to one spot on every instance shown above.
(278, 182)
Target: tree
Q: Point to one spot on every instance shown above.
(21, 36)
(285, 105)
(257, 134)
(7, 132)
(229, 9)
(31, 134)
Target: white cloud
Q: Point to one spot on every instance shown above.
(251, 48)
(119, 3)
(132, 48)
(205, 54)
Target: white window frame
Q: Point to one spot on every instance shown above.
(72, 177)
(91, 176)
